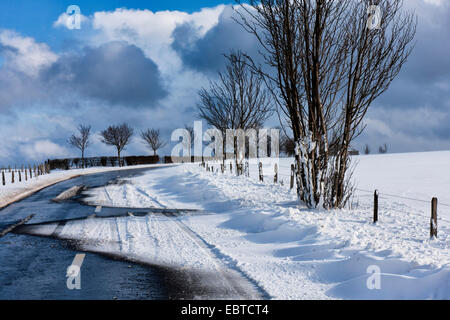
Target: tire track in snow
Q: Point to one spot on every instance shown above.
(231, 276)
(157, 245)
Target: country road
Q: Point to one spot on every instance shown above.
(130, 253)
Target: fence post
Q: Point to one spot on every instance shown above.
(275, 177)
(433, 223)
(292, 176)
(12, 176)
(31, 174)
(231, 167)
(261, 176)
(375, 206)
(26, 174)
(3, 177)
(20, 176)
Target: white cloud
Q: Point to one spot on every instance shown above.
(151, 31)
(42, 149)
(435, 2)
(24, 54)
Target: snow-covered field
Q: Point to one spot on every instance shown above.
(12, 192)
(295, 253)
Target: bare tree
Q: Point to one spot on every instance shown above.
(153, 139)
(81, 141)
(366, 149)
(118, 136)
(238, 100)
(383, 149)
(326, 67)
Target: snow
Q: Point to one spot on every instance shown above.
(12, 192)
(291, 252)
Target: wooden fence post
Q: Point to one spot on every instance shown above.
(375, 206)
(20, 176)
(31, 174)
(3, 178)
(26, 174)
(292, 176)
(434, 222)
(261, 176)
(275, 176)
(12, 176)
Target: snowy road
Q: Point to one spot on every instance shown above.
(119, 234)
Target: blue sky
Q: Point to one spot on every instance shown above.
(144, 61)
(35, 17)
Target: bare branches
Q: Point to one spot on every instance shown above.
(327, 67)
(153, 139)
(238, 100)
(81, 141)
(118, 136)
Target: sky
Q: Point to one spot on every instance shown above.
(143, 62)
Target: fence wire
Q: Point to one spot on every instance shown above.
(401, 197)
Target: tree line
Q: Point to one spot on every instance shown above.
(118, 136)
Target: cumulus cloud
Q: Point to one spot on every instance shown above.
(205, 52)
(24, 54)
(43, 148)
(22, 61)
(115, 72)
(151, 31)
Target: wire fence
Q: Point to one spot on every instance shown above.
(280, 174)
(401, 197)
